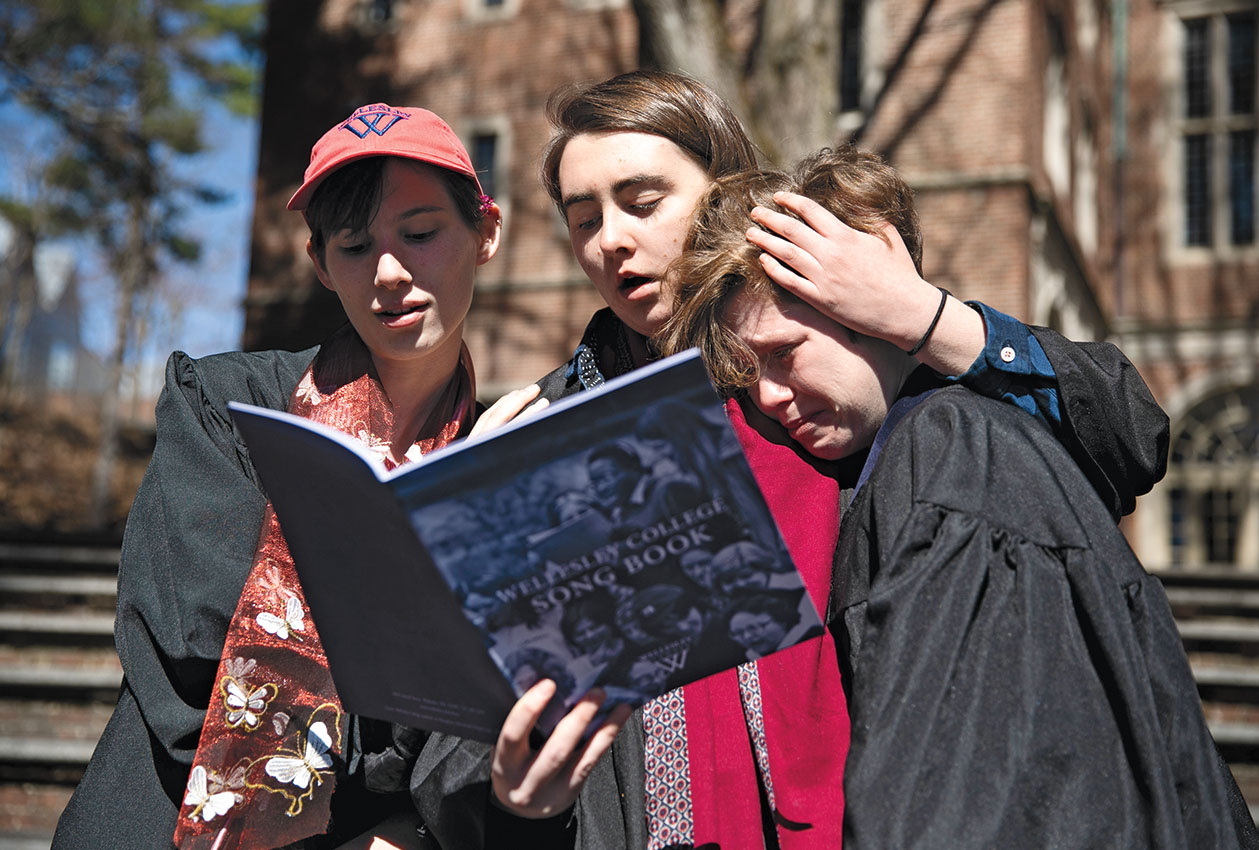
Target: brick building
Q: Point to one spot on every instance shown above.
(1078, 163)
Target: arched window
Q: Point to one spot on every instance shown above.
(1213, 481)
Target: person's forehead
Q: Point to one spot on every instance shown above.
(610, 462)
(623, 159)
(755, 318)
(760, 320)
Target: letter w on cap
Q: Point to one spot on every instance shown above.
(371, 123)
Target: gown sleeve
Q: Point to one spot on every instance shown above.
(188, 546)
(1113, 428)
(1090, 395)
(1015, 678)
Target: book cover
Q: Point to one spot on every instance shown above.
(618, 539)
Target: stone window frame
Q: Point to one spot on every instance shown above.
(1175, 127)
(1212, 481)
(499, 126)
(597, 5)
(367, 18)
(873, 41)
(1219, 362)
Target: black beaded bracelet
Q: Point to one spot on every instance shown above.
(944, 296)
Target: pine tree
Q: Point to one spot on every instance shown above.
(122, 81)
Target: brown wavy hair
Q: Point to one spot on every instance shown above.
(718, 264)
(662, 103)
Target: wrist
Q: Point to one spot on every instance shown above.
(957, 341)
(506, 809)
(935, 321)
(504, 828)
(906, 319)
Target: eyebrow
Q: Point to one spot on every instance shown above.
(617, 187)
(414, 211)
(411, 213)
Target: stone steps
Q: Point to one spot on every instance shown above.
(36, 626)
(1217, 615)
(59, 679)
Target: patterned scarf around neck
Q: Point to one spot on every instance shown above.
(274, 734)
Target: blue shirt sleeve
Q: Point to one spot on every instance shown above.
(1014, 368)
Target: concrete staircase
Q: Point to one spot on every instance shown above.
(1218, 616)
(59, 674)
(59, 678)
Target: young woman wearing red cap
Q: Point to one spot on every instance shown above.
(398, 227)
(750, 758)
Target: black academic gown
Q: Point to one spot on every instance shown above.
(1014, 677)
(188, 547)
(1112, 428)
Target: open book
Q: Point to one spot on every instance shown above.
(617, 539)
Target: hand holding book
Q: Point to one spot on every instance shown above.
(539, 783)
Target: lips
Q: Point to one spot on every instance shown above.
(797, 423)
(631, 284)
(400, 316)
(400, 311)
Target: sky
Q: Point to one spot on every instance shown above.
(214, 317)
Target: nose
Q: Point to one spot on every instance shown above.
(769, 394)
(390, 273)
(616, 234)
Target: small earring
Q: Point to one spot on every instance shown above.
(486, 203)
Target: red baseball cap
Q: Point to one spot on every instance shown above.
(382, 130)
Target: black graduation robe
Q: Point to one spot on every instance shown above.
(1014, 676)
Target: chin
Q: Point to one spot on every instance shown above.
(644, 319)
(637, 322)
(826, 450)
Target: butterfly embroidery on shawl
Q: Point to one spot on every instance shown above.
(307, 392)
(294, 619)
(378, 447)
(310, 764)
(272, 581)
(244, 706)
(207, 806)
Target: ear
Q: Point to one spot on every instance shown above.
(320, 271)
(491, 230)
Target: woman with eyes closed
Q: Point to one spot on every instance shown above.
(249, 754)
(627, 162)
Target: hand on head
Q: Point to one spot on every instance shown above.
(864, 281)
(855, 254)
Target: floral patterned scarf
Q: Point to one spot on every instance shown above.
(275, 733)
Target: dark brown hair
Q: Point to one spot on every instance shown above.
(350, 197)
(718, 263)
(661, 103)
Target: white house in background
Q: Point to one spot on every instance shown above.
(41, 350)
